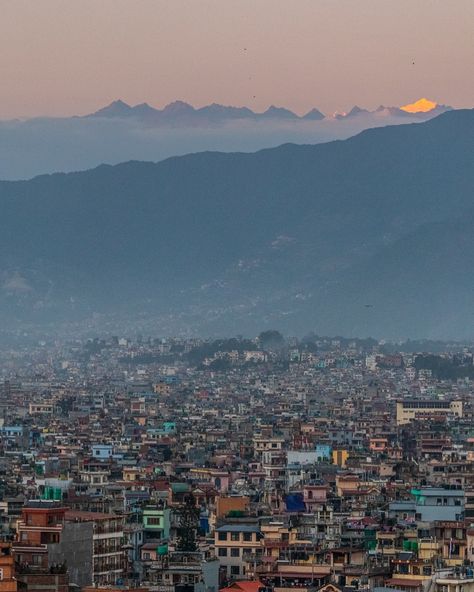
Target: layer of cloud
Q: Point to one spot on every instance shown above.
(38, 146)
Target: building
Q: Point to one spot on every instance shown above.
(426, 410)
(156, 523)
(236, 544)
(45, 541)
(437, 503)
(454, 583)
(39, 529)
(108, 553)
(8, 582)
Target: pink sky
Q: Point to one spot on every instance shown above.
(61, 57)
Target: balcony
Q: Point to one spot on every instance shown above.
(275, 544)
(26, 568)
(111, 530)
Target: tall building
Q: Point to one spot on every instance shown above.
(40, 527)
(108, 553)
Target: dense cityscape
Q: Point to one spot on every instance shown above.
(236, 296)
(236, 464)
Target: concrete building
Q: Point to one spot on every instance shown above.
(235, 544)
(437, 503)
(454, 583)
(108, 554)
(156, 523)
(410, 410)
(46, 541)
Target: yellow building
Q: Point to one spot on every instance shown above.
(410, 574)
(429, 548)
(416, 409)
(340, 457)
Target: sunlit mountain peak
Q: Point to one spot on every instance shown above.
(420, 106)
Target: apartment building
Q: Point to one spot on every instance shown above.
(108, 554)
(235, 545)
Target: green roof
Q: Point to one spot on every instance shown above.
(179, 487)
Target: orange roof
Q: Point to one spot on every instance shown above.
(244, 586)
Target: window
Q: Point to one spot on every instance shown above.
(24, 536)
(235, 536)
(247, 536)
(235, 570)
(235, 552)
(427, 570)
(153, 520)
(146, 556)
(423, 533)
(222, 552)
(1, 574)
(222, 536)
(37, 559)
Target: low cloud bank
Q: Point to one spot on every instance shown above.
(39, 146)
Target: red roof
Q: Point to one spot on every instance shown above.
(405, 582)
(244, 586)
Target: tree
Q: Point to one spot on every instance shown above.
(188, 515)
(271, 340)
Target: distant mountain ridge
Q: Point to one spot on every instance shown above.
(372, 235)
(120, 132)
(182, 112)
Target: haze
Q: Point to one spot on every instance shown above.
(330, 54)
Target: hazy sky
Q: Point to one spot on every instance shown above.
(60, 57)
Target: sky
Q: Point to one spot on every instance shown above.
(64, 57)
